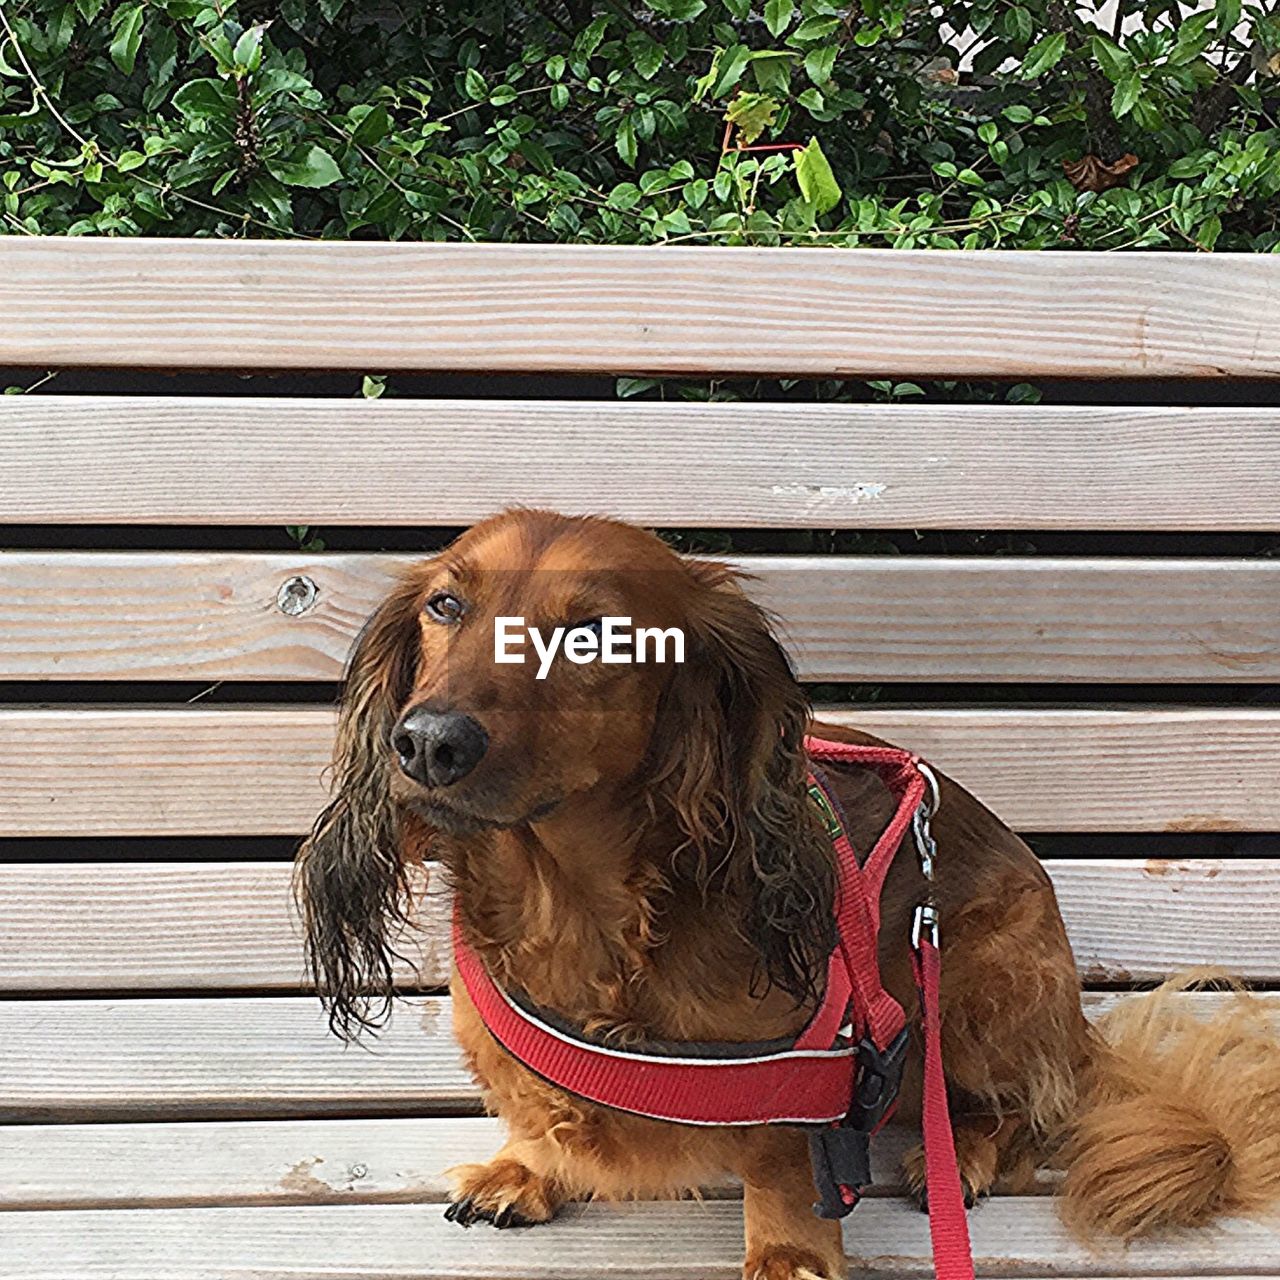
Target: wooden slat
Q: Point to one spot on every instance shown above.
(257, 770)
(239, 1162)
(235, 1056)
(635, 310)
(192, 616)
(226, 1162)
(888, 1239)
(1138, 921)
(243, 1056)
(1104, 769)
(135, 926)
(229, 926)
(195, 460)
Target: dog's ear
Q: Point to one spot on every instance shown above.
(349, 881)
(728, 759)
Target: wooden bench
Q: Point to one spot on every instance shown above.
(172, 1105)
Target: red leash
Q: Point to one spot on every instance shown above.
(948, 1221)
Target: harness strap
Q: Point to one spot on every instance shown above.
(702, 1086)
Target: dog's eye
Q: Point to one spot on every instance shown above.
(589, 624)
(442, 607)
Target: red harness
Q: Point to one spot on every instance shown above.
(840, 1075)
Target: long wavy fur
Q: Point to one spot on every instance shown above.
(1180, 1123)
(729, 761)
(350, 881)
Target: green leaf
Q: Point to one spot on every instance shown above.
(1023, 393)
(677, 10)
(128, 29)
(372, 387)
(813, 29)
(625, 142)
(374, 125)
(752, 114)
(626, 195)
(312, 167)
(1113, 60)
(1194, 36)
(1209, 231)
(89, 9)
(589, 41)
(248, 51)
(625, 387)
(1189, 167)
(1044, 54)
(1018, 24)
(473, 85)
(162, 54)
(1017, 113)
(273, 80)
(988, 132)
(820, 62)
(653, 181)
(128, 160)
(778, 15)
(1127, 91)
(1148, 114)
(817, 183)
(646, 53)
(267, 194)
(7, 68)
(729, 68)
(772, 70)
(202, 99)
(559, 96)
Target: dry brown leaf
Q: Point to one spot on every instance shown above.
(1264, 63)
(1089, 173)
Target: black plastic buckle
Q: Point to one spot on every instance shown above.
(879, 1079)
(841, 1152)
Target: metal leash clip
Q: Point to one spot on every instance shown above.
(921, 821)
(925, 922)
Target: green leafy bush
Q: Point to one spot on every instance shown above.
(991, 123)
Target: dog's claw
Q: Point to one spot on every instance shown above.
(511, 1217)
(463, 1212)
(972, 1199)
(466, 1213)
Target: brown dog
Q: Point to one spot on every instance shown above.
(632, 845)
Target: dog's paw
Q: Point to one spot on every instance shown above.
(976, 1182)
(503, 1192)
(784, 1262)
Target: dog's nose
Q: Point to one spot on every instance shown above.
(436, 748)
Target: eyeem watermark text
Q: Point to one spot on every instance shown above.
(611, 640)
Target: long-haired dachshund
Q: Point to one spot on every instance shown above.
(633, 847)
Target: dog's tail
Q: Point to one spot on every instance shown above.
(1180, 1115)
